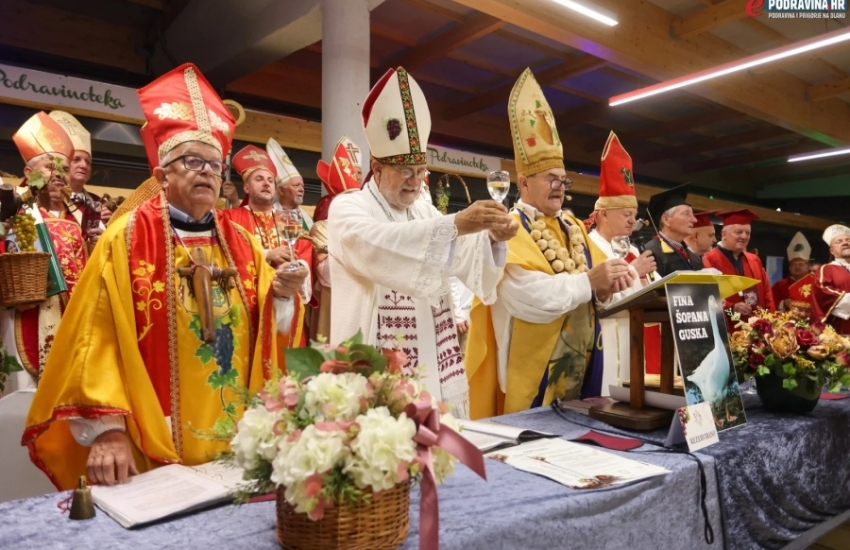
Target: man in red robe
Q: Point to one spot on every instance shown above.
(257, 215)
(799, 251)
(831, 290)
(730, 256)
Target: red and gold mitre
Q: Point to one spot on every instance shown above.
(800, 292)
(181, 106)
(616, 180)
(337, 177)
(252, 158)
(41, 134)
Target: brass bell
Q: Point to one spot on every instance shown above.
(82, 507)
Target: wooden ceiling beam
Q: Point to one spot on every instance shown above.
(547, 77)
(751, 158)
(469, 30)
(708, 18)
(798, 170)
(721, 142)
(828, 90)
(777, 98)
(158, 5)
(68, 34)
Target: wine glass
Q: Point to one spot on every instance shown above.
(498, 184)
(291, 230)
(621, 246)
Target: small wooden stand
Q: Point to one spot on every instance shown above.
(648, 308)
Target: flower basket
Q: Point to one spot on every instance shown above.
(381, 523)
(775, 398)
(23, 277)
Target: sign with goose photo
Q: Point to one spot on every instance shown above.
(702, 348)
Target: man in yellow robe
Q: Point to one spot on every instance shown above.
(152, 349)
(539, 340)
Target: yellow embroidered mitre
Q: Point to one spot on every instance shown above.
(537, 146)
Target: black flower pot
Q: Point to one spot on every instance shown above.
(802, 399)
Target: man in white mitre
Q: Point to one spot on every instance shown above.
(392, 256)
(615, 215)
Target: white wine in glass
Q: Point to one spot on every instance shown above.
(290, 228)
(621, 247)
(498, 184)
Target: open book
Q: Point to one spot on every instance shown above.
(167, 491)
(488, 436)
(576, 466)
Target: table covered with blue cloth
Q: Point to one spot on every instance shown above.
(766, 483)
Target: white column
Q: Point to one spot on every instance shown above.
(345, 73)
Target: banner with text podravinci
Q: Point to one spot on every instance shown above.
(702, 347)
(53, 91)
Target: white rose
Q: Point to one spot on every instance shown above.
(254, 431)
(381, 446)
(313, 452)
(335, 396)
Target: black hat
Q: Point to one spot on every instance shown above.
(665, 200)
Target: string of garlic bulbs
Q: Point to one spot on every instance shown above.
(570, 258)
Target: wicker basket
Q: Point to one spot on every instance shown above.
(381, 524)
(23, 277)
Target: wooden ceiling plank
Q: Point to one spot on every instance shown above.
(781, 40)
(751, 136)
(828, 90)
(70, 35)
(158, 5)
(468, 30)
(708, 18)
(546, 77)
(644, 45)
(750, 158)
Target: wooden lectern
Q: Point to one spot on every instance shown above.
(650, 306)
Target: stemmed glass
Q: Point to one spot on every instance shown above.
(621, 246)
(498, 184)
(291, 230)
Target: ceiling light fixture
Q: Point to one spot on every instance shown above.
(592, 12)
(796, 48)
(820, 154)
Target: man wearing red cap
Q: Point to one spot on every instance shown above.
(615, 214)
(28, 333)
(703, 238)
(256, 215)
(342, 175)
(730, 257)
(831, 290)
(176, 313)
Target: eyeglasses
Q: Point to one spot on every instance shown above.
(556, 183)
(407, 173)
(196, 164)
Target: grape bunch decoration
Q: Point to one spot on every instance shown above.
(393, 128)
(24, 225)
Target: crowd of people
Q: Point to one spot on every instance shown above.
(172, 304)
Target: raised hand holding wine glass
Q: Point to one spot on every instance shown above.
(621, 246)
(290, 228)
(498, 184)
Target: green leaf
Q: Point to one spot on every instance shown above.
(195, 326)
(763, 371)
(216, 380)
(835, 388)
(789, 383)
(235, 316)
(10, 364)
(845, 380)
(372, 355)
(304, 362)
(355, 340)
(36, 179)
(537, 104)
(231, 378)
(230, 408)
(789, 369)
(224, 426)
(204, 353)
(566, 366)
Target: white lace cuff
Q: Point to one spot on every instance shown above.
(86, 430)
(438, 255)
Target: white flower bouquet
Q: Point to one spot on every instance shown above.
(344, 425)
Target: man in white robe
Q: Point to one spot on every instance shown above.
(615, 214)
(391, 255)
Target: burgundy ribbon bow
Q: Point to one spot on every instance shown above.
(429, 433)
